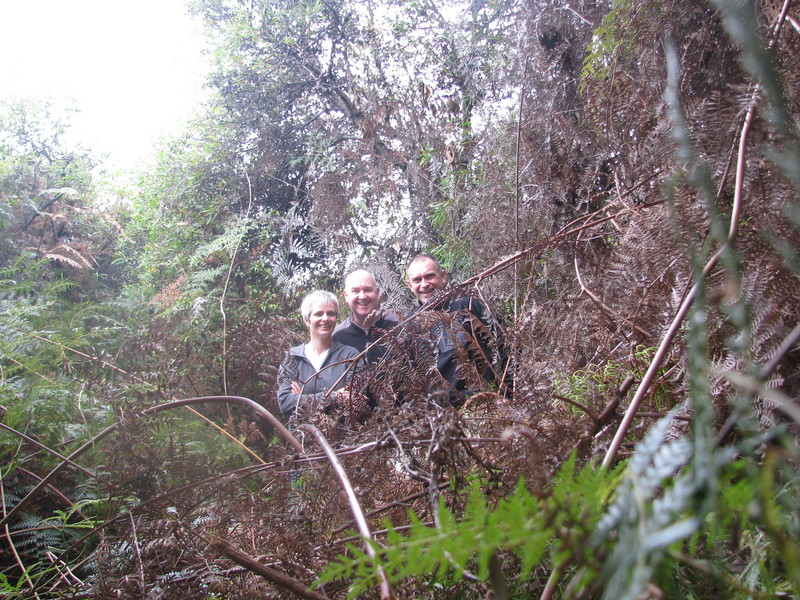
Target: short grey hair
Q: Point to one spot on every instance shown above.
(317, 297)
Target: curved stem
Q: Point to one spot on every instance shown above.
(225, 291)
(260, 410)
(358, 512)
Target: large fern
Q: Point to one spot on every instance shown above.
(529, 526)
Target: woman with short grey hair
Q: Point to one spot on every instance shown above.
(314, 370)
(317, 296)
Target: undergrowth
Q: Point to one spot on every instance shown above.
(645, 260)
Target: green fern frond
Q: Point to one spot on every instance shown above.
(521, 523)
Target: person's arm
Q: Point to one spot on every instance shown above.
(474, 318)
(289, 386)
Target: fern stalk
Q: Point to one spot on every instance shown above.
(268, 573)
(682, 136)
(260, 410)
(45, 448)
(386, 589)
(13, 548)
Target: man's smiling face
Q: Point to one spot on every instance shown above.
(425, 278)
(362, 295)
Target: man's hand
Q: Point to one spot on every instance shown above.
(297, 388)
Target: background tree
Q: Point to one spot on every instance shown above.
(55, 267)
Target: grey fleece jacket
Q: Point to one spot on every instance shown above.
(297, 367)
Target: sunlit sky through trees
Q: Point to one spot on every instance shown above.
(133, 69)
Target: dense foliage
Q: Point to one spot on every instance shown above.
(618, 181)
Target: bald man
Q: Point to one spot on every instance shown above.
(367, 321)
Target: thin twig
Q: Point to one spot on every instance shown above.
(137, 553)
(225, 290)
(516, 184)
(395, 504)
(597, 300)
(559, 238)
(577, 14)
(69, 578)
(787, 344)
(10, 541)
(578, 405)
(270, 574)
(356, 538)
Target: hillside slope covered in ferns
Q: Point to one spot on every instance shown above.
(617, 181)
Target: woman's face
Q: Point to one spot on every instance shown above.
(322, 320)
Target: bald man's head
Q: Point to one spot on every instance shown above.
(362, 294)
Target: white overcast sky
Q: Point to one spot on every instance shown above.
(133, 68)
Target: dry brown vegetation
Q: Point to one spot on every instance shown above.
(631, 223)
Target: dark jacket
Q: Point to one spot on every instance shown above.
(297, 367)
(350, 334)
(470, 324)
